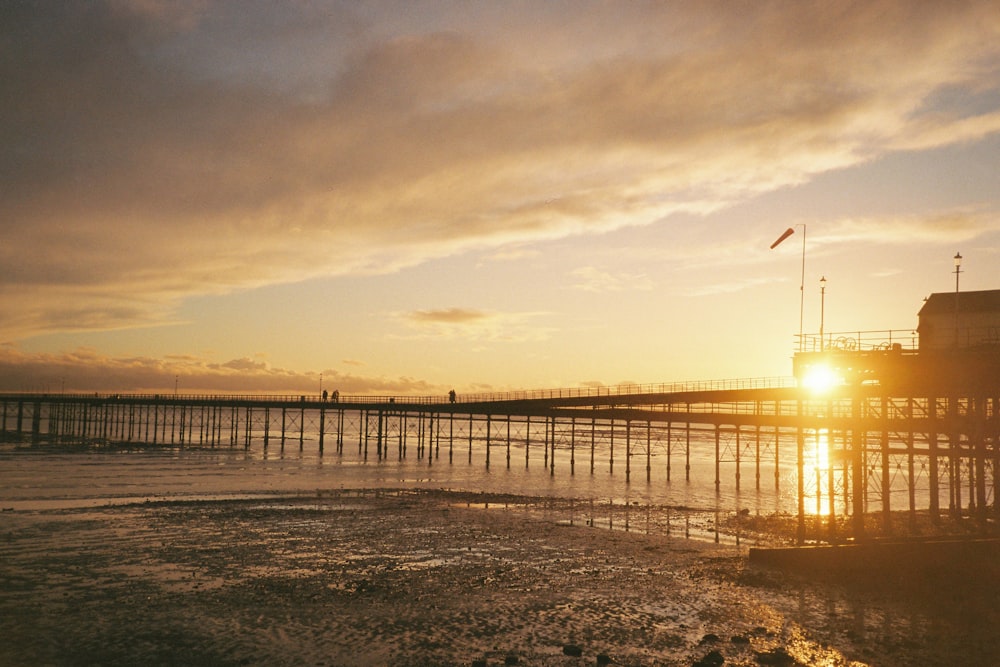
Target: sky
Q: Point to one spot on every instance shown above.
(406, 197)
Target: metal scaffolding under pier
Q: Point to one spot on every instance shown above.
(854, 450)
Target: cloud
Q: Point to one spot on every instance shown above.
(86, 370)
(447, 316)
(473, 324)
(731, 287)
(592, 279)
(154, 151)
(936, 227)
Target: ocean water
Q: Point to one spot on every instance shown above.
(205, 458)
(61, 475)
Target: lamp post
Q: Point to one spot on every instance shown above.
(958, 270)
(802, 280)
(822, 309)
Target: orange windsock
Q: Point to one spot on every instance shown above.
(788, 232)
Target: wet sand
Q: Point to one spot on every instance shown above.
(435, 578)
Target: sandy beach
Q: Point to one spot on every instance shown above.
(432, 578)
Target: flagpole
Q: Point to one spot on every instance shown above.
(802, 280)
(802, 288)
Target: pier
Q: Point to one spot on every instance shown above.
(861, 453)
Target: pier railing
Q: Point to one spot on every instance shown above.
(596, 391)
(857, 341)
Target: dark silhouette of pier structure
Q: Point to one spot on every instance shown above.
(909, 443)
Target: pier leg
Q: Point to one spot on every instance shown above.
(508, 442)
(800, 447)
(572, 446)
(322, 428)
(669, 453)
(717, 457)
(593, 443)
(910, 467)
(649, 446)
(628, 451)
(979, 428)
(858, 477)
(527, 440)
(378, 436)
(546, 462)
(687, 452)
(552, 460)
(739, 447)
(777, 457)
(932, 447)
(611, 453)
(757, 457)
(886, 469)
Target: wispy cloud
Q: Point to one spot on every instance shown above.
(155, 151)
(936, 227)
(475, 325)
(593, 279)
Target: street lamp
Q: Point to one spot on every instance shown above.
(822, 309)
(802, 281)
(958, 270)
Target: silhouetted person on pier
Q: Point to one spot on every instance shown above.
(324, 395)
(336, 395)
(451, 396)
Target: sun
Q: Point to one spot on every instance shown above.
(821, 378)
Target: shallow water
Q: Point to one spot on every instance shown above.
(49, 476)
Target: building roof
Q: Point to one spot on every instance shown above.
(968, 302)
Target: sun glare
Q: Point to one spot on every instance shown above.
(821, 378)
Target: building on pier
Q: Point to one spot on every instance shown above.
(960, 320)
(956, 344)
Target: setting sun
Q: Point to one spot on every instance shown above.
(821, 378)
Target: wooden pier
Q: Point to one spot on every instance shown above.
(854, 448)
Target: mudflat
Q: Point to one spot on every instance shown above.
(435, 578)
